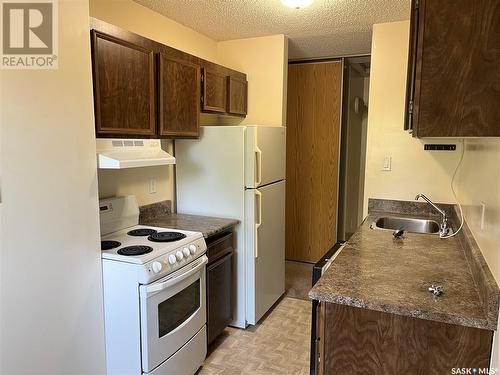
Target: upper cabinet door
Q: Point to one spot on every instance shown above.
(179, 98)
(454, 79)
(124, 87)
(214, 91)
(237, 96)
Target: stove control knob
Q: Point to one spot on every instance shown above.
(172, 259)
(179, 255)
(186, 252)
(192, 249)
(156, 267)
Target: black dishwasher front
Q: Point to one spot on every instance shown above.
(319, 268)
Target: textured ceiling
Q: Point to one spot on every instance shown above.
(326, 28)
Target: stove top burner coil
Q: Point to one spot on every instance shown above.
(108, 244)
(141, 232)
(166, 236)
(135, 250)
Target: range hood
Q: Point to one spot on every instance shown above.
(131, 153)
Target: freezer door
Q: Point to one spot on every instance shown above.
(264, 155)
(265, 250)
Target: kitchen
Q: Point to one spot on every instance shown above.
(63, 190)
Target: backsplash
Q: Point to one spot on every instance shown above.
(153, 210)
(479, 182)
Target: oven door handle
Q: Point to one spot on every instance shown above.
(168, 283)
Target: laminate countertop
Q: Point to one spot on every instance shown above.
(378, 272)
(204, 224)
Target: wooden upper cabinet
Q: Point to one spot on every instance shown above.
(214, 91)
(237, 96)
(179, 98)
(145, 89)
(124, 87)
(453, 77)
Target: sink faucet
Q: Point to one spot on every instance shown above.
(443, 227)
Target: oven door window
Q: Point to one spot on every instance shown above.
(178, 308)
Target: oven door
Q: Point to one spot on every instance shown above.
(172, 312)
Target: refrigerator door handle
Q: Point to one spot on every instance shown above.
(258, 155)
(258, 198)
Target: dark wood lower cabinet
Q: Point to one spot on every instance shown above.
(360, 341)
(219, 284)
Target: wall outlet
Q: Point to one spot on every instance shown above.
(152, 186)
(483, 215)
(387, 163)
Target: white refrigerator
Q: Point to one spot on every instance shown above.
(239, 172)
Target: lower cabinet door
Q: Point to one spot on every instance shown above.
(219, 296)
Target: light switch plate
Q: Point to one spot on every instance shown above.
(387, 163)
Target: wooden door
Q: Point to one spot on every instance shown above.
(214, 91)
(179, 98)
(124, 87)
(312, 161)
(237, 96)
(454, 79)
(219, 298)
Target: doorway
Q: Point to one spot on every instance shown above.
(356, 82)
(326, 150)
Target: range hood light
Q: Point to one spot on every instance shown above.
(297, 4)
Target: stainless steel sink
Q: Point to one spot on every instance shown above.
(406, 223)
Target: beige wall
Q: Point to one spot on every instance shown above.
(143, 21)
(51, 313)
(413, 169)
(265, 61)
(479, 181)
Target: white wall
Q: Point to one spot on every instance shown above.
(413, 169)
(51, 297)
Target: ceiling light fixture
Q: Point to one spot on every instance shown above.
(297, 4)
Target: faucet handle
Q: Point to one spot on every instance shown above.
(437, 290)
(398, 233)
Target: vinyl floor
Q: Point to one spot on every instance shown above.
(278, 344)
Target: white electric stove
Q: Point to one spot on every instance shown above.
(154, 294)
(142, 245)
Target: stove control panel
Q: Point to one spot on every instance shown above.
(172, 261)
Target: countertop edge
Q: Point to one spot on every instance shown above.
(402, 311)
